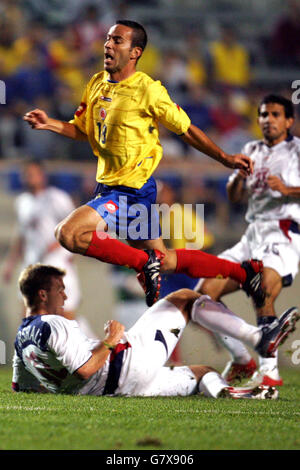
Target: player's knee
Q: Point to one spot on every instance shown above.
(199, 370)
(57, 231)
(183, 299)
(66, 236)
(209, 287)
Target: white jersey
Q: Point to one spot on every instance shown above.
(48, 350)
(37, 217)
(282, 160)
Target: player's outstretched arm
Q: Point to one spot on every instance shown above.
(39, 120)
(114, 333)
(200, 141)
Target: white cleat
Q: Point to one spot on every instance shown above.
(260, 392)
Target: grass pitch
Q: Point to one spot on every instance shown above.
(62, 422)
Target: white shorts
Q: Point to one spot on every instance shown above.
(267, 242)
(152, 340)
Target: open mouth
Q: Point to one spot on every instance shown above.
(108, 57)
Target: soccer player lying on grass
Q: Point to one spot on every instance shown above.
(52, 354)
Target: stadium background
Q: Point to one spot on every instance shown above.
(48, 51)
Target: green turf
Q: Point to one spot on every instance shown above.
(30, 421)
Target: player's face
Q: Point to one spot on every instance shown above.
(273, 122)
(56, 296)
(118, 51)
(34, 178)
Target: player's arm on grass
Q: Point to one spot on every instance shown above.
(200, 141)
(276, 184)
(39, 120)
(114, 332)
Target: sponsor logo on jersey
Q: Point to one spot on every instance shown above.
(102, 113)
(105, 98)
(111, 207)
(81, 108)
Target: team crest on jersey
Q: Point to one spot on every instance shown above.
(105, 98)
(111, 207)
(102, 114)
(81, 108)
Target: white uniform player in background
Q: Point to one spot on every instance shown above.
(39, 209)
(273, 233)
(53, 355)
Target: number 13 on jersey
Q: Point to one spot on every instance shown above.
(102, 132)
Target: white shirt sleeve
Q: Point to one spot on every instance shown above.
(69, 345)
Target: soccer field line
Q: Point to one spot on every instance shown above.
(223, 412)
(237, 412)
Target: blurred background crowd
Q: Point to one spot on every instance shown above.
(216, 58)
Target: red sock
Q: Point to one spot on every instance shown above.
(196, 263)
(113, 251)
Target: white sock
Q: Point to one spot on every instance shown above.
(216, 317)
(238, 351)
(269, 365)
(211, 384)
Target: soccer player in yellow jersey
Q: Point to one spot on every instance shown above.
(119, 115)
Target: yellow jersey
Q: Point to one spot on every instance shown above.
(231, 64)
(120, 120)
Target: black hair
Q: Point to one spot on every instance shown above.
(286, 103)
(139, 35)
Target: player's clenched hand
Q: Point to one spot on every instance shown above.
(37, 119)
(242, 174)
(240, 161)
(276, 184)
(114, 332)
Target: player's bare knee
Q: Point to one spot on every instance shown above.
(183, 299)
(210, 287)
(57, 231)
(207, 288)
(199, 370)
(66, 236)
